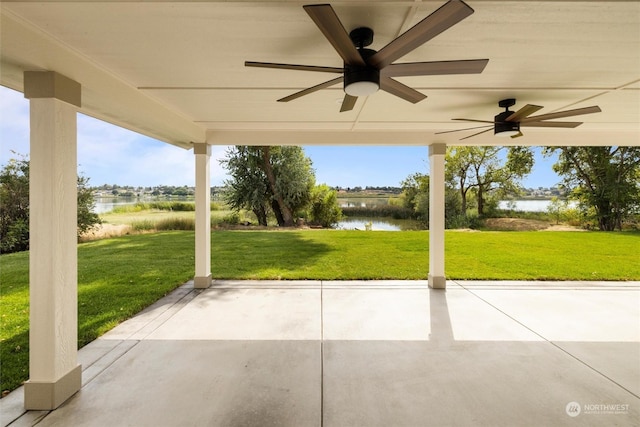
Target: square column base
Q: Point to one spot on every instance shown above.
(202, 282)
(437, 282)
(46, 396)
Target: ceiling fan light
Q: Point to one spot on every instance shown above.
(506, 133)
(363, 88)
(504, 128)
(361, 81)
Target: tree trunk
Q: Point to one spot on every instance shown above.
(606, 218)
(278, 213)
(480, 201)
(261, 215)
(463, 197)
(287, 215)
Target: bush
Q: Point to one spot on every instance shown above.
(457, 221)
(388, 211)
(231, 219)
(176, 224)
(14, 206)
(187, 224)
(182, 207)
(470, 220)
(145, 225)
(16, 237)
(324, 209)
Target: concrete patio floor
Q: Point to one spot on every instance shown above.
(382, 353)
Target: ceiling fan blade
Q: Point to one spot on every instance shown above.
(293, 67)
(475, 120)
(523, 112)
(445, 17)
(401, 90)
(348, 103)
(551, 124)
(470, 136)
(328, 22)
(469, 66)
(460, 130)
(561, 114)
(311, 89)
(517, 135)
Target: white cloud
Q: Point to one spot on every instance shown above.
(108, 154)
(14, 124)
(112, 155)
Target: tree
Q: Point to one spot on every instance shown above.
(87, 219)
(606, 179)
(457, 172)
(481, 170)
(324, 209)
(248, 188)
(269, 179)
(556, 208)
(14, 206)
(415, 195)
(292, 180)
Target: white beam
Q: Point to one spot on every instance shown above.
(202, 278)
(316, 137)
(104, 95)
(54, 371)
(406, 136)
(436, 216)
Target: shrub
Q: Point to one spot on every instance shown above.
(457, 221)
(231, 219)
(14, 206)
(388, 211)
(324, 209)
(176, 224)
(182, 206)
(145, 225)
(16, 237)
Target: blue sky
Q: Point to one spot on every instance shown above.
(108, 154)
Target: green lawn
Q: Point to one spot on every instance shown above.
(119, 277)
(334, 254)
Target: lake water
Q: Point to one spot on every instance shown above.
(107, 205)
(375, 224)
(378, 224)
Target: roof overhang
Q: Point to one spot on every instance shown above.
(175, 70)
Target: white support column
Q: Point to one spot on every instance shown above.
(436, 216)
(202, 278)
(54, 372)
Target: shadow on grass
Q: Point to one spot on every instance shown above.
(257, 255)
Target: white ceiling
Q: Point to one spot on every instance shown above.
(175, 70)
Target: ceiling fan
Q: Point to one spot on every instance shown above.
(508, 123)
(366, 70)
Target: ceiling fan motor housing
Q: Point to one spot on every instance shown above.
(358, 75)
(501, 125)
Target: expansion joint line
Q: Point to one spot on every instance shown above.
(549, 341)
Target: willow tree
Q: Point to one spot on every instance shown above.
(248, 187)
(269, 179)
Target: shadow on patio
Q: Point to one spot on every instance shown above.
(380, 353)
